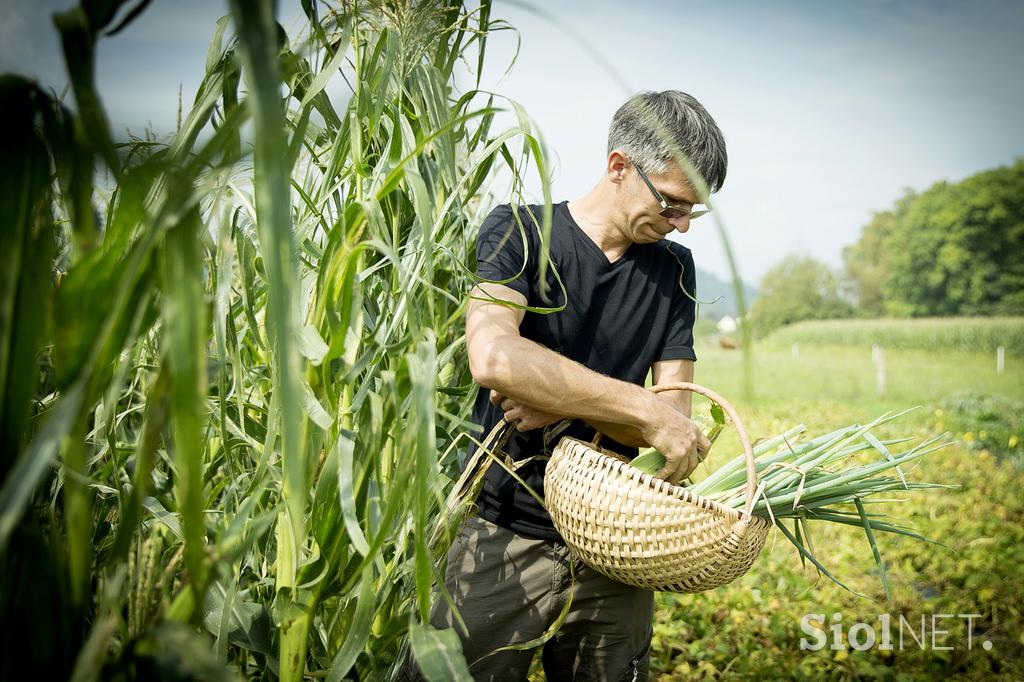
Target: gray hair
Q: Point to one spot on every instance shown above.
(653, 127)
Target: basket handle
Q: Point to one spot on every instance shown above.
(751, 488)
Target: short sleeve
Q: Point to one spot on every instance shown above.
(504, 252)
(678, 344)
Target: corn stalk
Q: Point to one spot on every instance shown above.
(246, 406)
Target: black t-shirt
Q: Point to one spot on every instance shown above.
(619, 319)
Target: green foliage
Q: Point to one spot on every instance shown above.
(27, 248)
(798, 288)
(750, 629)
(968, 334)
(234, 429)
(950, 250)
(984, 421)
(867, 268)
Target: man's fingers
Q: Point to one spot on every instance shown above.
(694, 462)
(703, 444)
(687, 456)
(672, 471)
(496, 397)
(691, 461)
(522, 421)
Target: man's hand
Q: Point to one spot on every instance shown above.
(672, 434)
(525, 418)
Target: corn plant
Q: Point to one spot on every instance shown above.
(969, 334)
(233, 362)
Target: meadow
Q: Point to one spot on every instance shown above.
(968, 334)
(752, 628)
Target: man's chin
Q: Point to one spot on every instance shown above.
(646, 234)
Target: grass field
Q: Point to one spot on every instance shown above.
(751, 629)
(934, 333)
(847, 375)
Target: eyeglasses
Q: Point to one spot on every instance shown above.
(668, 212)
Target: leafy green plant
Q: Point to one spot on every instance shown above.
(256, 345)
(751, 628)
(984, 421)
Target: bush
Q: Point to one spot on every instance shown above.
(798, 288)
(984, 422)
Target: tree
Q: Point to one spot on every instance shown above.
(798, 288)
(866, 269)
(956, 251)
(951, 250)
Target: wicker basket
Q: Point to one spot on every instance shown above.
(646, 532)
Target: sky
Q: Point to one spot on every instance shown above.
(830, 110)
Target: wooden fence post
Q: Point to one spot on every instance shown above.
(879, 359)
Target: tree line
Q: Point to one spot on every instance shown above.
(953, 249)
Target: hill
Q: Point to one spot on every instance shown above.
(717, 296)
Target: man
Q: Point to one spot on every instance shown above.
(624, 306)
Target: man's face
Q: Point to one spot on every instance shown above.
(643, 224)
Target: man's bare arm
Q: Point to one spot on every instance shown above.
(529, 373)
(533, 375)
(663, 372)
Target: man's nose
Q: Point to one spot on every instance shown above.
(681, 224)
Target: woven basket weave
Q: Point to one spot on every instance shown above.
(646, 532)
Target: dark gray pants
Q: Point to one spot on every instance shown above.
(510, 589)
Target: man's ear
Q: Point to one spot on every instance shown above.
(616, 167)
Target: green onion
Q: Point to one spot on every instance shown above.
(814, 481)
